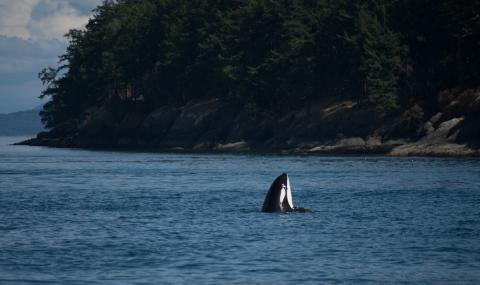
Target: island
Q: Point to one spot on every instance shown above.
(20, 123)
(317, 77)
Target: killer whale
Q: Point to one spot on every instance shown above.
(279, 197)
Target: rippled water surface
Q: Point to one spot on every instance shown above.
(86, 217)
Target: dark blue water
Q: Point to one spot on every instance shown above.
(86, 217)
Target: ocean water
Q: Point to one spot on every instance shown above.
(102, 217)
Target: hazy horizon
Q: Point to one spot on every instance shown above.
(31, 38)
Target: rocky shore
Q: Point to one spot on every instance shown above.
(345, 127)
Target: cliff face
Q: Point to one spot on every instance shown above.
(340, 127)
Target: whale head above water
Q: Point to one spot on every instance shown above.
(279, 197)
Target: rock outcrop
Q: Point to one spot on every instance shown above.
(340, 128)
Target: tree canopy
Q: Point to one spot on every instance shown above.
(265, 54)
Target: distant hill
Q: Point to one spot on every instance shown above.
(21, 123)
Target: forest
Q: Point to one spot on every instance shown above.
(265, 55)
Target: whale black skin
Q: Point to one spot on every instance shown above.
(279, 197)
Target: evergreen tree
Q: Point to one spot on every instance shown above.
(267, 55)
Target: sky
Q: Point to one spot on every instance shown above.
(31, 38)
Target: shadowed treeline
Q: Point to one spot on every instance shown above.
(264, 57)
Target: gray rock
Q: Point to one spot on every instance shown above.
(439, 142)
(443, 132)
(220, 125)
(354, 145)
(256, 130)
(236, 146)
(428, 129)
(351, 142)
(436, 118)
(158, 122)
(191, 123)
(440, 149)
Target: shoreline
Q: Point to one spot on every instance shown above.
(411, 149)
(328, 128)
